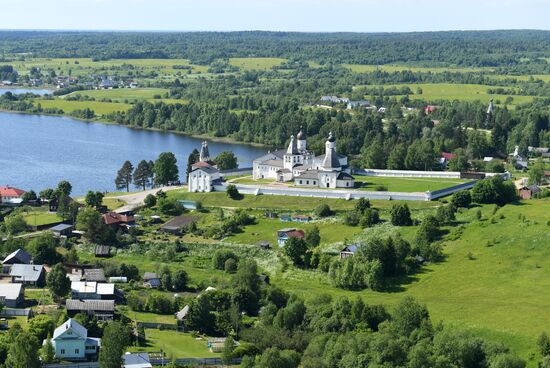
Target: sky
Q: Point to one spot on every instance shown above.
(276, 15)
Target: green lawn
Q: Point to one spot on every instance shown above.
(175, 344)
(112, 203)
(405, 184)
(219, 199)
(501, 293)
(151, 317)
(38, 218)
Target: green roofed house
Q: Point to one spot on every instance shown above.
(71, 342)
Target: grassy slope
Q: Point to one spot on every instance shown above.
(99, 108)
(38, 218)
(501, 293)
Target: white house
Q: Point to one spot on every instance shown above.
(71, 342)
(204, 174)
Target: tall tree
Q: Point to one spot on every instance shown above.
(116, 338)
(226, 160)
(143, 174)
(193, 158)
(124, 176)
(94, 199)
(166, 168)
(64, 187)
(58, 282)
(23, 352)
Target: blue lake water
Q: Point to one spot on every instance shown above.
(36, 91)
(36, 152)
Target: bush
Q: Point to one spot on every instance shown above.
(362, 204)
(150, 201)
(352, 218)
(322, 210)
(159, 303)
(180, 280)
(170, 207)
(400, 215)
(230, 265)
(462, 199)
(233, 192)
(494, 190)
(221, 256)
(370, 217)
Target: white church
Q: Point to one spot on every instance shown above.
(301, 166)
(204, 173)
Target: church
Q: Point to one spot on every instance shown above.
(204, 173)
(299, 165)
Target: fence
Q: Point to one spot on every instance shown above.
(194, 361)
(408, 173)
(8, 312)
(158, 326)
(236, 172)
(73, 365)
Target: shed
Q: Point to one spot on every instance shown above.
(62, 230)
(528, 192)
(150, 279)
(94, 274)
(19, 256)
(180, 316)
(175, 225)
(136, 360)
(102, 251)
(348, 251)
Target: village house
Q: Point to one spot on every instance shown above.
(92, 290)
(204, 174)
(12, 295)
(28, 274)
(175, 225)
(71, 342)
(103, 310)
(445, 158)
(528, 192)
(11, 195)
(102, 251)
(18, 256)
(119, 220)
(284, 234)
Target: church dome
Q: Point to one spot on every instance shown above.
(331, 137)
(301, 134)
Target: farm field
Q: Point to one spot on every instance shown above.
(100, 108)
(121, 94)
(256, 63)
(358, 68)
(464, 92)
(371, 183)
(493, 280)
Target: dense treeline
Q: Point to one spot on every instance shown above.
(472, 48)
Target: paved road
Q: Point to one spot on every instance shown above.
(135, 200)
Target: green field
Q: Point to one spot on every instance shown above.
(359, 68)
(405, 184)
(494, 279)
(175, 344)
(121, 94)
(266, 63)
(100, 108)
(465, 92)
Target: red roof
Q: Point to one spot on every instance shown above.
(429, 109)
(295, 234)
(111, 218)
(7, 191)
(448, 156)
(203, 164)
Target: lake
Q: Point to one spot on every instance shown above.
(15, 91)
(36, 152)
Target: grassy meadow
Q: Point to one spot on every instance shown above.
(261, 63)
(100, 108)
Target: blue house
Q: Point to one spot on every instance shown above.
(71, 342)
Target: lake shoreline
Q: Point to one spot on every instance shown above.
(210, 138)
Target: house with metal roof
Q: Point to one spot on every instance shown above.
(150, 279)
(11, 295)
(103, 310)
(18, 256)
(28, 274)
(348, 251)
(62, 230)
(71, 342)
(92, 290)
(285, 234)
(137, 360)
